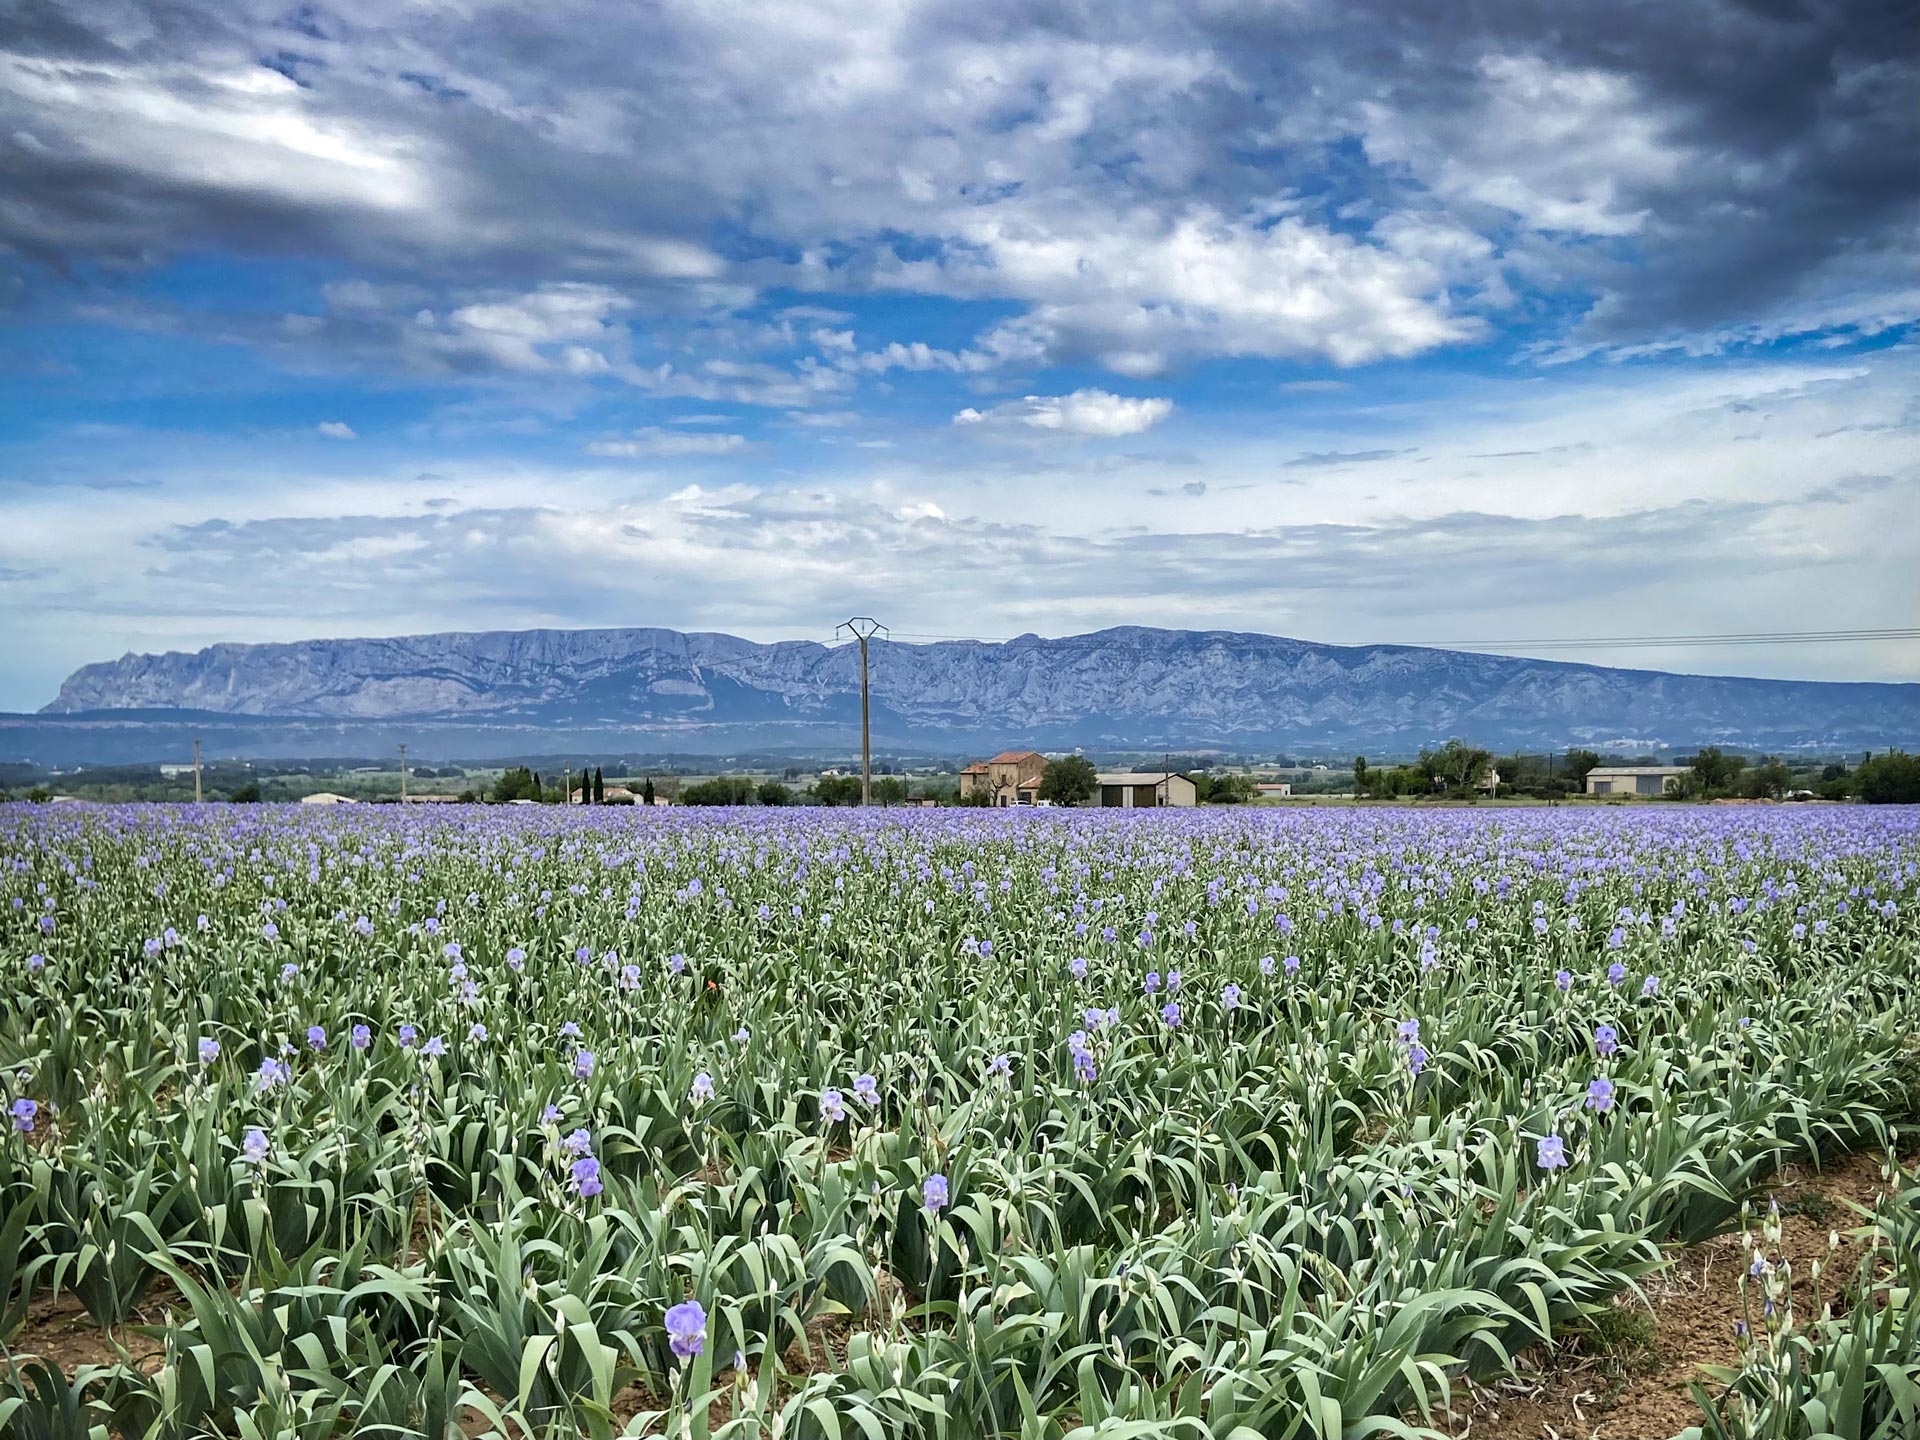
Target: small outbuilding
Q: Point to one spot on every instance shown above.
(327, 797)
(1635, 779)
(1143, 790)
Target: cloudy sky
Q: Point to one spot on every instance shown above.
(1347, 321)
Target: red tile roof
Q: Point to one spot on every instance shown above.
(1017, 757)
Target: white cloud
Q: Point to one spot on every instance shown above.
(1707, 500)
(1564, 149)
(1084, 412)
(336, 430)
(652, 440)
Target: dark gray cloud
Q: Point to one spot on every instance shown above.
(1320, 459)
(1148, 182)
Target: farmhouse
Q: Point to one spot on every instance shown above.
(1634, 779)
(1010, 778)
(1140, 790)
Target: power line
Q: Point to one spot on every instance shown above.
(1614, 642)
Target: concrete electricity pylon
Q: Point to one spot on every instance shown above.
(863, 628)
(403, 774)
(196, 770)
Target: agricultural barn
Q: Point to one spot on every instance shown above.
(1010, 778)
(1142, 790)
(327, 797)
(1634, 779)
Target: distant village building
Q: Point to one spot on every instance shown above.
(1635, 779)
(1278, 789)
(1010, 778)
(327, 797)
(611, 795)
(1143, 790)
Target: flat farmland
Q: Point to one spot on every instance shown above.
(820, 1123)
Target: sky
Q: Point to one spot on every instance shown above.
(1343, 320)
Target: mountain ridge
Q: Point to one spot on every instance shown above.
(1126, 685)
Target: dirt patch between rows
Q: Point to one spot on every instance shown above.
(1628, 1380)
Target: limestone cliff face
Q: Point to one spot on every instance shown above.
(1115, 687)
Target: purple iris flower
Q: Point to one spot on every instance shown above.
(933, 1193)
(687, 1329)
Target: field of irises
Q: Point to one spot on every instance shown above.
(938, 1123)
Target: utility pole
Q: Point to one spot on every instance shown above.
(196, 769)
(566, 785)
(1166, 778)
(403, 773)
(863, 628)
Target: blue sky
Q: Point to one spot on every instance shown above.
(1330, 320)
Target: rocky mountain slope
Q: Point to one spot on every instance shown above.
(1115, 688)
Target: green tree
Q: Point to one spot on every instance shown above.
(599, 787)
(247, 794)
(1576, 764)
(1889, 779)
(1359, 772)
(890, 790)
(1231, 790)
(1714, 771)
(837, 790)
(1069, 780)
(517, 783)
(772, 792)
(1769, 779)
(647, 791)
(1456, 765)
(721, 790)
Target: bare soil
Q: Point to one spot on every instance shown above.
(1630, 1380)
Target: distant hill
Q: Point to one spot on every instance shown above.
(508, 692)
